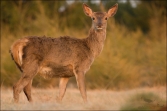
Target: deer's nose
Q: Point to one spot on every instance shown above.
(99, 26)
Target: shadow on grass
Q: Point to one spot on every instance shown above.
(144, 101)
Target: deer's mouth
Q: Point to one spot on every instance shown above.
(99, 28)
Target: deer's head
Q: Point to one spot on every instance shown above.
(99, 19)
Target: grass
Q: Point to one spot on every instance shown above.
(45, 99)
(144, 101)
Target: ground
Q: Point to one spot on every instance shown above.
(45, 99)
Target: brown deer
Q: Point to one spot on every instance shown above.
(62, 57)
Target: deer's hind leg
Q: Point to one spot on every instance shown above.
(62, 88)
(27, 91)
(25, 82)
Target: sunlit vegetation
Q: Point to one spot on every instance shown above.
(134, 54)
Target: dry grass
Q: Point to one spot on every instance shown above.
(45, 99)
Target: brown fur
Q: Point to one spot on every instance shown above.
(17, 51)
(62, 57)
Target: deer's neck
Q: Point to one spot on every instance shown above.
(95, 40)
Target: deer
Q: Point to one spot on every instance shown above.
(61, 57)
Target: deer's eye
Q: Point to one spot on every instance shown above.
(93, 18)
(106, 18)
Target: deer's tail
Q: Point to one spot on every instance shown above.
(16, 51)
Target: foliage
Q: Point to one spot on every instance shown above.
(134, 54)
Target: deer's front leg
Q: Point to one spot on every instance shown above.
(62, 88)
(80, 78)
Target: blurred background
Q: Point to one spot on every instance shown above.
(134, 53)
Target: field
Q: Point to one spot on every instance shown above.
(45, 99)
(129, 74)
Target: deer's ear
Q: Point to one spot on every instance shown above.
(87, 10)
(112, 11)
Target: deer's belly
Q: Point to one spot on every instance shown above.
(56, 71)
